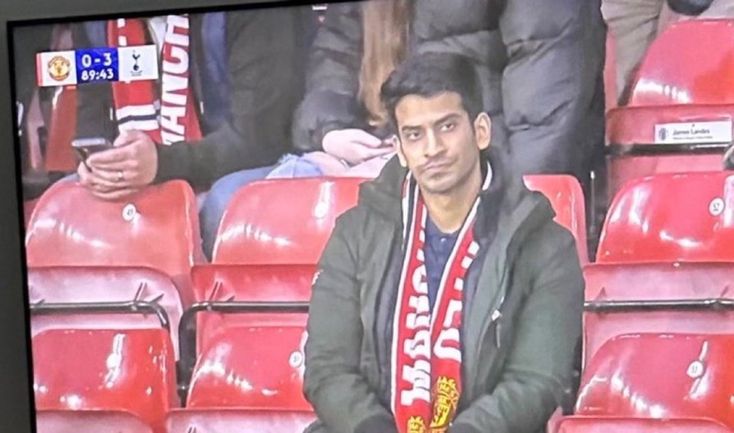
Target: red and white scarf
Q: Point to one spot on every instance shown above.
(166, 112)
(426, 347)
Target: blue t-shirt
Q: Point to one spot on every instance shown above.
(438, 248)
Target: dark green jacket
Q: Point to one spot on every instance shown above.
(514, 369)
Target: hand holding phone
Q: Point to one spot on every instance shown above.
(84, 147)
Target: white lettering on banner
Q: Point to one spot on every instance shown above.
(174, 83)
(449, 333)
(420, 345)
(419, 376)
(452, 310)
(177, 22)
(421, 318)
(170, 138)
(169, 118)
(179, 67)
(444, 351)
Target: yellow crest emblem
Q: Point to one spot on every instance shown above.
(59, 68)
(444, 404)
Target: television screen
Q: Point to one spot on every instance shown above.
(369, 216)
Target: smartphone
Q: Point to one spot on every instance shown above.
(84, 147)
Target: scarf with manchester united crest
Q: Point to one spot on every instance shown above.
(426, 346)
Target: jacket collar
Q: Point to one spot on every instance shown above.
(506, 196)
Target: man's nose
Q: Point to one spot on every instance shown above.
(434, 145)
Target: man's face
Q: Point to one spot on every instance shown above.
(438, 142)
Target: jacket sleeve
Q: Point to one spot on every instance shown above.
(540, 362)
(333, 383)
(551, 88)
(332, 79)
(262, 58)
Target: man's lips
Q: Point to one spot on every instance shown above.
(435, 166)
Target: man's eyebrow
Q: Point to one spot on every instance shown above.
(450, 116)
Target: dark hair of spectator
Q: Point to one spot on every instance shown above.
(429, 74)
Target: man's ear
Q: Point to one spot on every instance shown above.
(483, 130)
(397, 145)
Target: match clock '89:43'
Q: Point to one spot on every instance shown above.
(97, 64)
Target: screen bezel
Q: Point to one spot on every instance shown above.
(16, 380)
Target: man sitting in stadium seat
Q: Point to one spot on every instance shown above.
(223, 103)
(448, 299)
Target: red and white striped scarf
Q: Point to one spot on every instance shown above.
(426, 347)
(167, 112)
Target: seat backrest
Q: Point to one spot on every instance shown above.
(130, 370)
(656, 282)
(248, 283)
(661, 376)
(59, 153)
(675, 70)
(567, 199)
(592, 424)
(234, 420)
(243, 367)
(157, 228)
(283, 221)
(671, 217)
(92, 284)
(75, 421)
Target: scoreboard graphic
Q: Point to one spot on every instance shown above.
(126, 64)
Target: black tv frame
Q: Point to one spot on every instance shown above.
(16, 380)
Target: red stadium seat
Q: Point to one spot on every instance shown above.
(57, 421)
(86, 285)
(588, 424)
(671, 217)
(252, 367)
(242, 283)
(567, 199)
(661, 376)
(59, 153)
(129, 371)
(157, 228)
(284, 221)
(641, 291)
(234, 420)
(684, 87)
(688, 77)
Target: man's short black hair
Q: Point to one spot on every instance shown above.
(429, 74)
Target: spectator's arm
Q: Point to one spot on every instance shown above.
(261, 67)
(540, 361)
(332, 80)
(333, 382)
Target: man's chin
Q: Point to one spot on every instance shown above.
(438, 186)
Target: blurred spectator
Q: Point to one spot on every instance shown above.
(540, 65)
(636, 23)
(244, 81)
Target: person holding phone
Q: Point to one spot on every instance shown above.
(232, 116)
